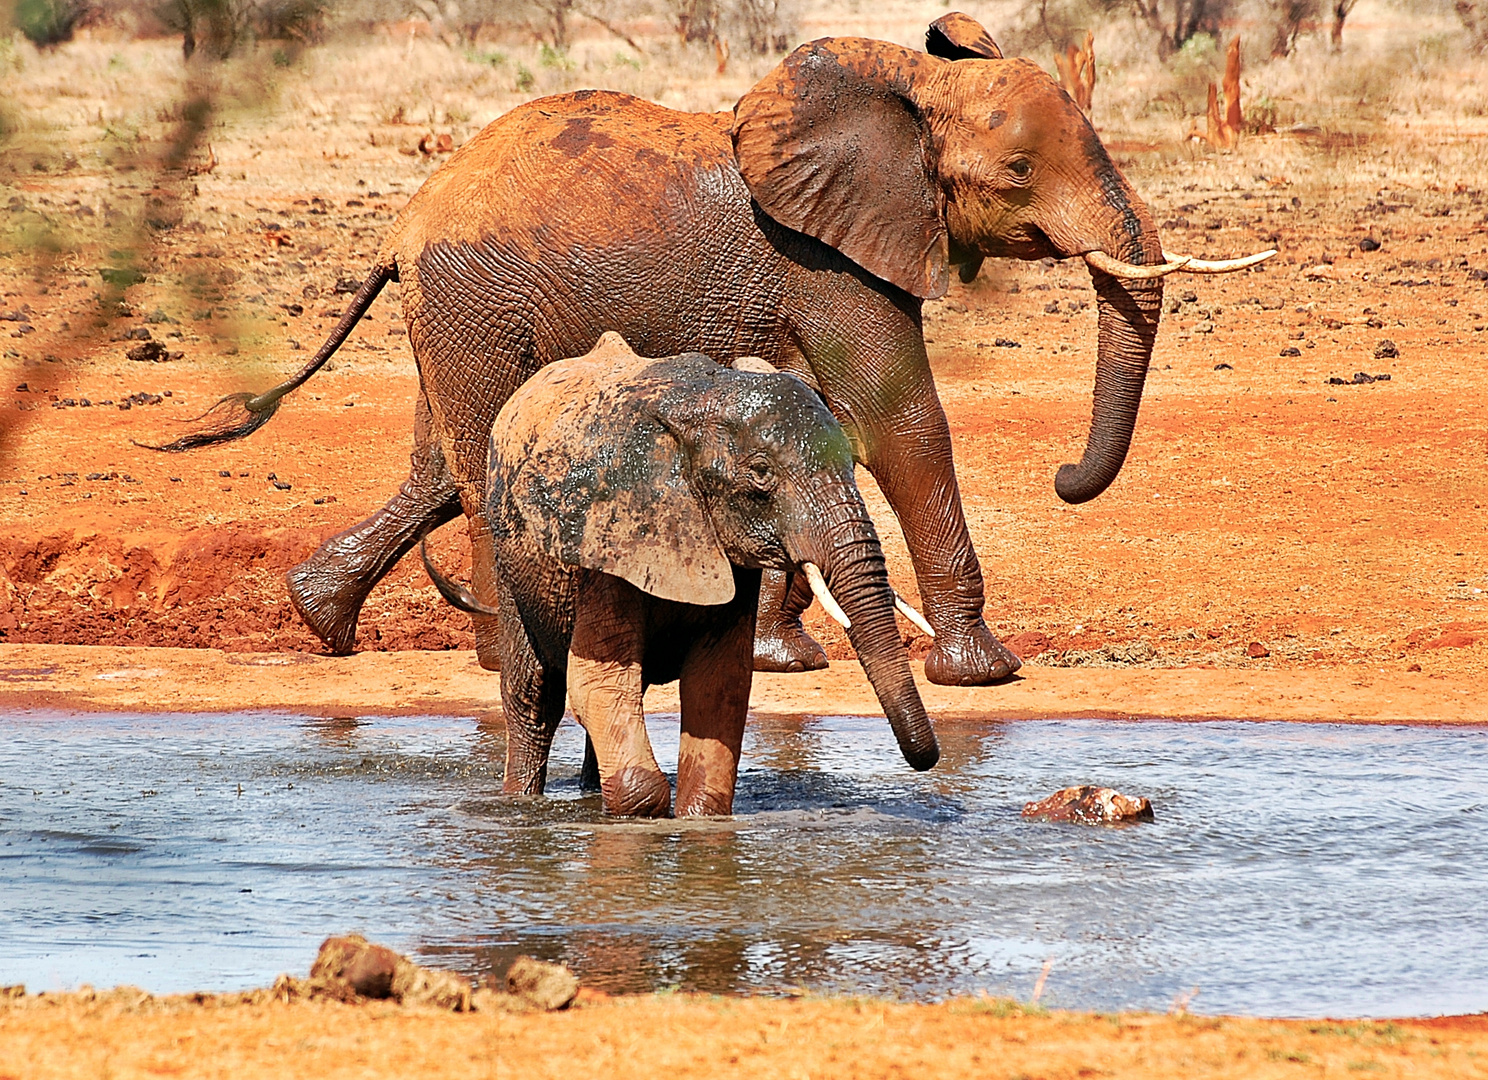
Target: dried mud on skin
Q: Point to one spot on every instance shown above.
(1331, 525)
(127, 1033)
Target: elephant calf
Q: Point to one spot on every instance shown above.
(634, 504)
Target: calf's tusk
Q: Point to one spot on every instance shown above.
(1223, 266)
(1099, 260)
(823, 594)
(912, 615)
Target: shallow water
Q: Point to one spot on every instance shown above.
(1292, 870)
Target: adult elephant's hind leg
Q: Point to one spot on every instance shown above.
(329, 588)
(781, 643)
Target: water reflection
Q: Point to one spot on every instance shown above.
(1292, 870)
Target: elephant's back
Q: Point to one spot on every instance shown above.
(534, 177)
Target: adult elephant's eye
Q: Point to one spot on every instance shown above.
(1020, 168)
(759, 473)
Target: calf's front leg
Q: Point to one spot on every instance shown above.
(605, 689)
(715, 701)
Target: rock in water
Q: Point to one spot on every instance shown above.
(548, 987)
(1090, 805)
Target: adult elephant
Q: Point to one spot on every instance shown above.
(804, 228)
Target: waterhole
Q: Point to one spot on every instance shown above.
(1292, 870)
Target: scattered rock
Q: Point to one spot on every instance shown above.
(1369, 243)
(1478, 275)
(352, 967)
(1028, 644)
(546, 987)
(1256, 651)
(1361, 378)
(1090, 805)
(1386, 350)
(346, 287)
(1006, 343)
(1051, 308)
(148, 352)
(1222, 366)
(295, 310)
(1414, 667)
(1188, 296)
(1291, 350)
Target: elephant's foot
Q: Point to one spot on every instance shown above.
(787, 649)
(975, 659)
(637, 792)
(327, 603)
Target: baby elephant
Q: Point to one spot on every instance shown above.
(634, 504)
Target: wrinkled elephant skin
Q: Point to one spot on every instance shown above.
(805, 228)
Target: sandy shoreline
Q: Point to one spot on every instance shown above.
(128, 1035)
(108, 678)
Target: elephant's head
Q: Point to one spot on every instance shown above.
(908, 163)
(666, 472)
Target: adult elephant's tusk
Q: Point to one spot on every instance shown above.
(828, 601)
(912, 615)
(1223, 266)
(1099, 260)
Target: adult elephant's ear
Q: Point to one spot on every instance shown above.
(832, 144)
(581, 467)
(957, 36)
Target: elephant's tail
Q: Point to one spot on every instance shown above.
(455, 593)
(239, 415)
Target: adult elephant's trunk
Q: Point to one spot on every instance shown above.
(1129, 310)
(853, 565)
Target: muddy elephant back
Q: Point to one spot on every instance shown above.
(537, 153)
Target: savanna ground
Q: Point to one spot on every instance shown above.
(1268, 521)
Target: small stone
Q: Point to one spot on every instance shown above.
(1090, 805)
(148, 352)
(1051, 308)
(1222, 366)
(1478, 275)
(352, 967)
(1188, 296)
(355, 962)
(548, 987)
(1369, 243)
(1256, 651)
(1414, 667)
(1386, 350)
(1291, 350)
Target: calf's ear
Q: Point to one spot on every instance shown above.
(581, 468)
(832, 144)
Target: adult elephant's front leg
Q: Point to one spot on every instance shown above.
(781, 643)
(905, 442)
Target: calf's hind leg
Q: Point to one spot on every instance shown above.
(329, 588)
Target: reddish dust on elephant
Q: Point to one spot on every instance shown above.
(806, 228)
